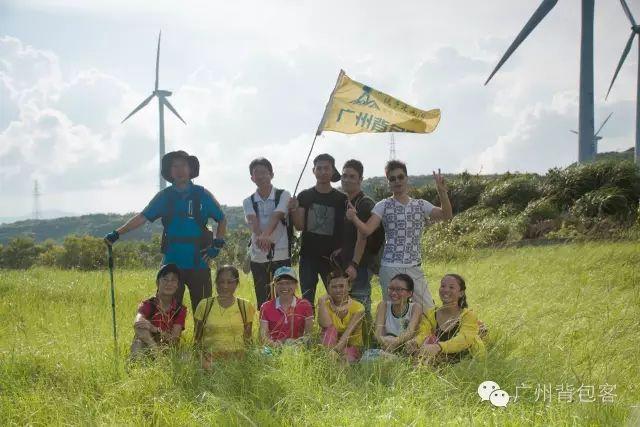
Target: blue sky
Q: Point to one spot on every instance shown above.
(252, 78)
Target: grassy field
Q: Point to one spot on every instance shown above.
(560, 317)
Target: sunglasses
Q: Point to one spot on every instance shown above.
(394, 178)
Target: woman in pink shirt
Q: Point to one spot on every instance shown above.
(286, 318)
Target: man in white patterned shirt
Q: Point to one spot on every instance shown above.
(404, 220)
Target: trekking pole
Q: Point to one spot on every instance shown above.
(270, 272)
(113, 298)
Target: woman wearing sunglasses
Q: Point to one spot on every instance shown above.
(404, 220)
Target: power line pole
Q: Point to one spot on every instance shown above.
(36, 200)
(392, 147)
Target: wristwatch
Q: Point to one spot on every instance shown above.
(218, 243)
(354, 264)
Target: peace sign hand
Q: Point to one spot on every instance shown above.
(351, 211)
(441, 186)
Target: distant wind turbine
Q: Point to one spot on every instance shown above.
(635, 31)
(596, 136)
(162, 102)
(585, 117)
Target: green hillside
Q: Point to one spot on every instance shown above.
(96, 225)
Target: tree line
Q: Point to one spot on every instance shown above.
(592, 201)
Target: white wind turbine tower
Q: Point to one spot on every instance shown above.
(162, 102)
(635, 31)
(596, 136)
(585, 115)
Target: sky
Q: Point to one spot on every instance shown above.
(252, 78)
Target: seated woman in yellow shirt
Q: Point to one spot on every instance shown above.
(451, 331)
(340, 318)
(223, 322)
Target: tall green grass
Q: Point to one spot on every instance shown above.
(557, 315)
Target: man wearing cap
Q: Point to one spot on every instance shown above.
(319, 213)
(286, 318)
(185, 209)
(160, 319)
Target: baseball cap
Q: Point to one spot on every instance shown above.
(328, 158)
(285, 271)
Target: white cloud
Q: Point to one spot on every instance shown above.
(59, 134)
(252, 79)
(540, 137)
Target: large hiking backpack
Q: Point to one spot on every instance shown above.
(194, 210)
(286, 221)
(242, 306)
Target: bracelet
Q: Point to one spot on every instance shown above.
(354, 264)
(218, 243)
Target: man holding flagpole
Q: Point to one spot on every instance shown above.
(357, 108)
(319, 213)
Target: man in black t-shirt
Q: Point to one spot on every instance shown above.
(319, 212)
(358, 251)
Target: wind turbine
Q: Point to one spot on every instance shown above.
(162, 102)
(596, 136)
(585, 117)
(635, 31)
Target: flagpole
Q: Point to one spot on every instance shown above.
(319, 130)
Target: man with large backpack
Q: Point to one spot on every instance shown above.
(185, 209)
(266, 214)
(359, 253)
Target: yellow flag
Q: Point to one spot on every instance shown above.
(354, 108)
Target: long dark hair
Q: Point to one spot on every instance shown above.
(462, 301)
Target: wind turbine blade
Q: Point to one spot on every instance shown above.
(158, 59)
(542, 10)
(139, 107)
(603, 123)
(573, 131)
(627, 11)
(625, 52)
(173, 110)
